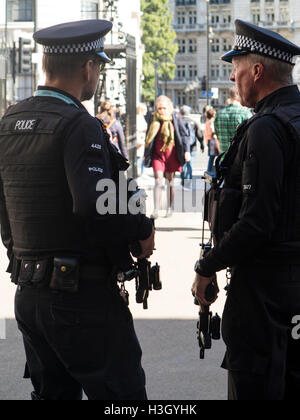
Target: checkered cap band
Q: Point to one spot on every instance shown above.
(244, 43)
(75, 48)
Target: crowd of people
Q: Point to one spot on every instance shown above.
(168, 140)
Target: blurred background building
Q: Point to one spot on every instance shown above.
(204, 28)
(20, 58)
(205, 31)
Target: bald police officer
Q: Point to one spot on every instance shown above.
(78, 332)
(258, 227)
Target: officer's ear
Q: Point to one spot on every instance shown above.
(258, 71)
(87, 70)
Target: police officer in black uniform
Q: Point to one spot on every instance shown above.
(258, 234)
(77, 329)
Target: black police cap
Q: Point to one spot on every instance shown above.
(252, 39)
(80, 37)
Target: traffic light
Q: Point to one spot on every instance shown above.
(203, 83)
(13, 64)
(24, 55)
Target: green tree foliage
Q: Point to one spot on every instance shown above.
(159, 41)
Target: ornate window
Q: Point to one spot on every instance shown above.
(192, 17)
(20, 10)
(193, 71)
(215, 45)
(192, 46)
(180, 72)
(182, 46)
(180, 17)
(89, 9)
(215, 71)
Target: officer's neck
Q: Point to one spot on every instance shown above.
(267, 89)
(72, 88)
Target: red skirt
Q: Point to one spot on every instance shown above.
(165, 161)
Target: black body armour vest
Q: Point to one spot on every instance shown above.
(37, 197)
(225, 200)
(289, 227)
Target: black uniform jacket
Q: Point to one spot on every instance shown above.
(85, 141)
(84, 135)
(259, 171)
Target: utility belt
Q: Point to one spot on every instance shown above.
(59, 273)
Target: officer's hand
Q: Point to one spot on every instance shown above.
(187, 156)
(199, 287)
(147, 246)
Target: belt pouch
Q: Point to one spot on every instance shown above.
(16, 264)
(40, 276)
(26, 273)
(65, 275)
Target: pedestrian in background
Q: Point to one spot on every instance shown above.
(228, 118)
(211, 140)
(141, 130)
(113, 126)
(167, 149)
(204, 111)
(194, 132)
(149, 114)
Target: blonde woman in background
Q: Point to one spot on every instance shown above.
(167, 148)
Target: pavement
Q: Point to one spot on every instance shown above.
(167, 330)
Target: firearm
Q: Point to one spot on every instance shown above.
(147, 277)
(208, 326)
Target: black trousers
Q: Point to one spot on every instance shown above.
(262, 353)
(81, 342)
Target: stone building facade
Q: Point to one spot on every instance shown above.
(190, 24)
(21, 59)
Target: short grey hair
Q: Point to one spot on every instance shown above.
(278, 71)
(185, 110)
